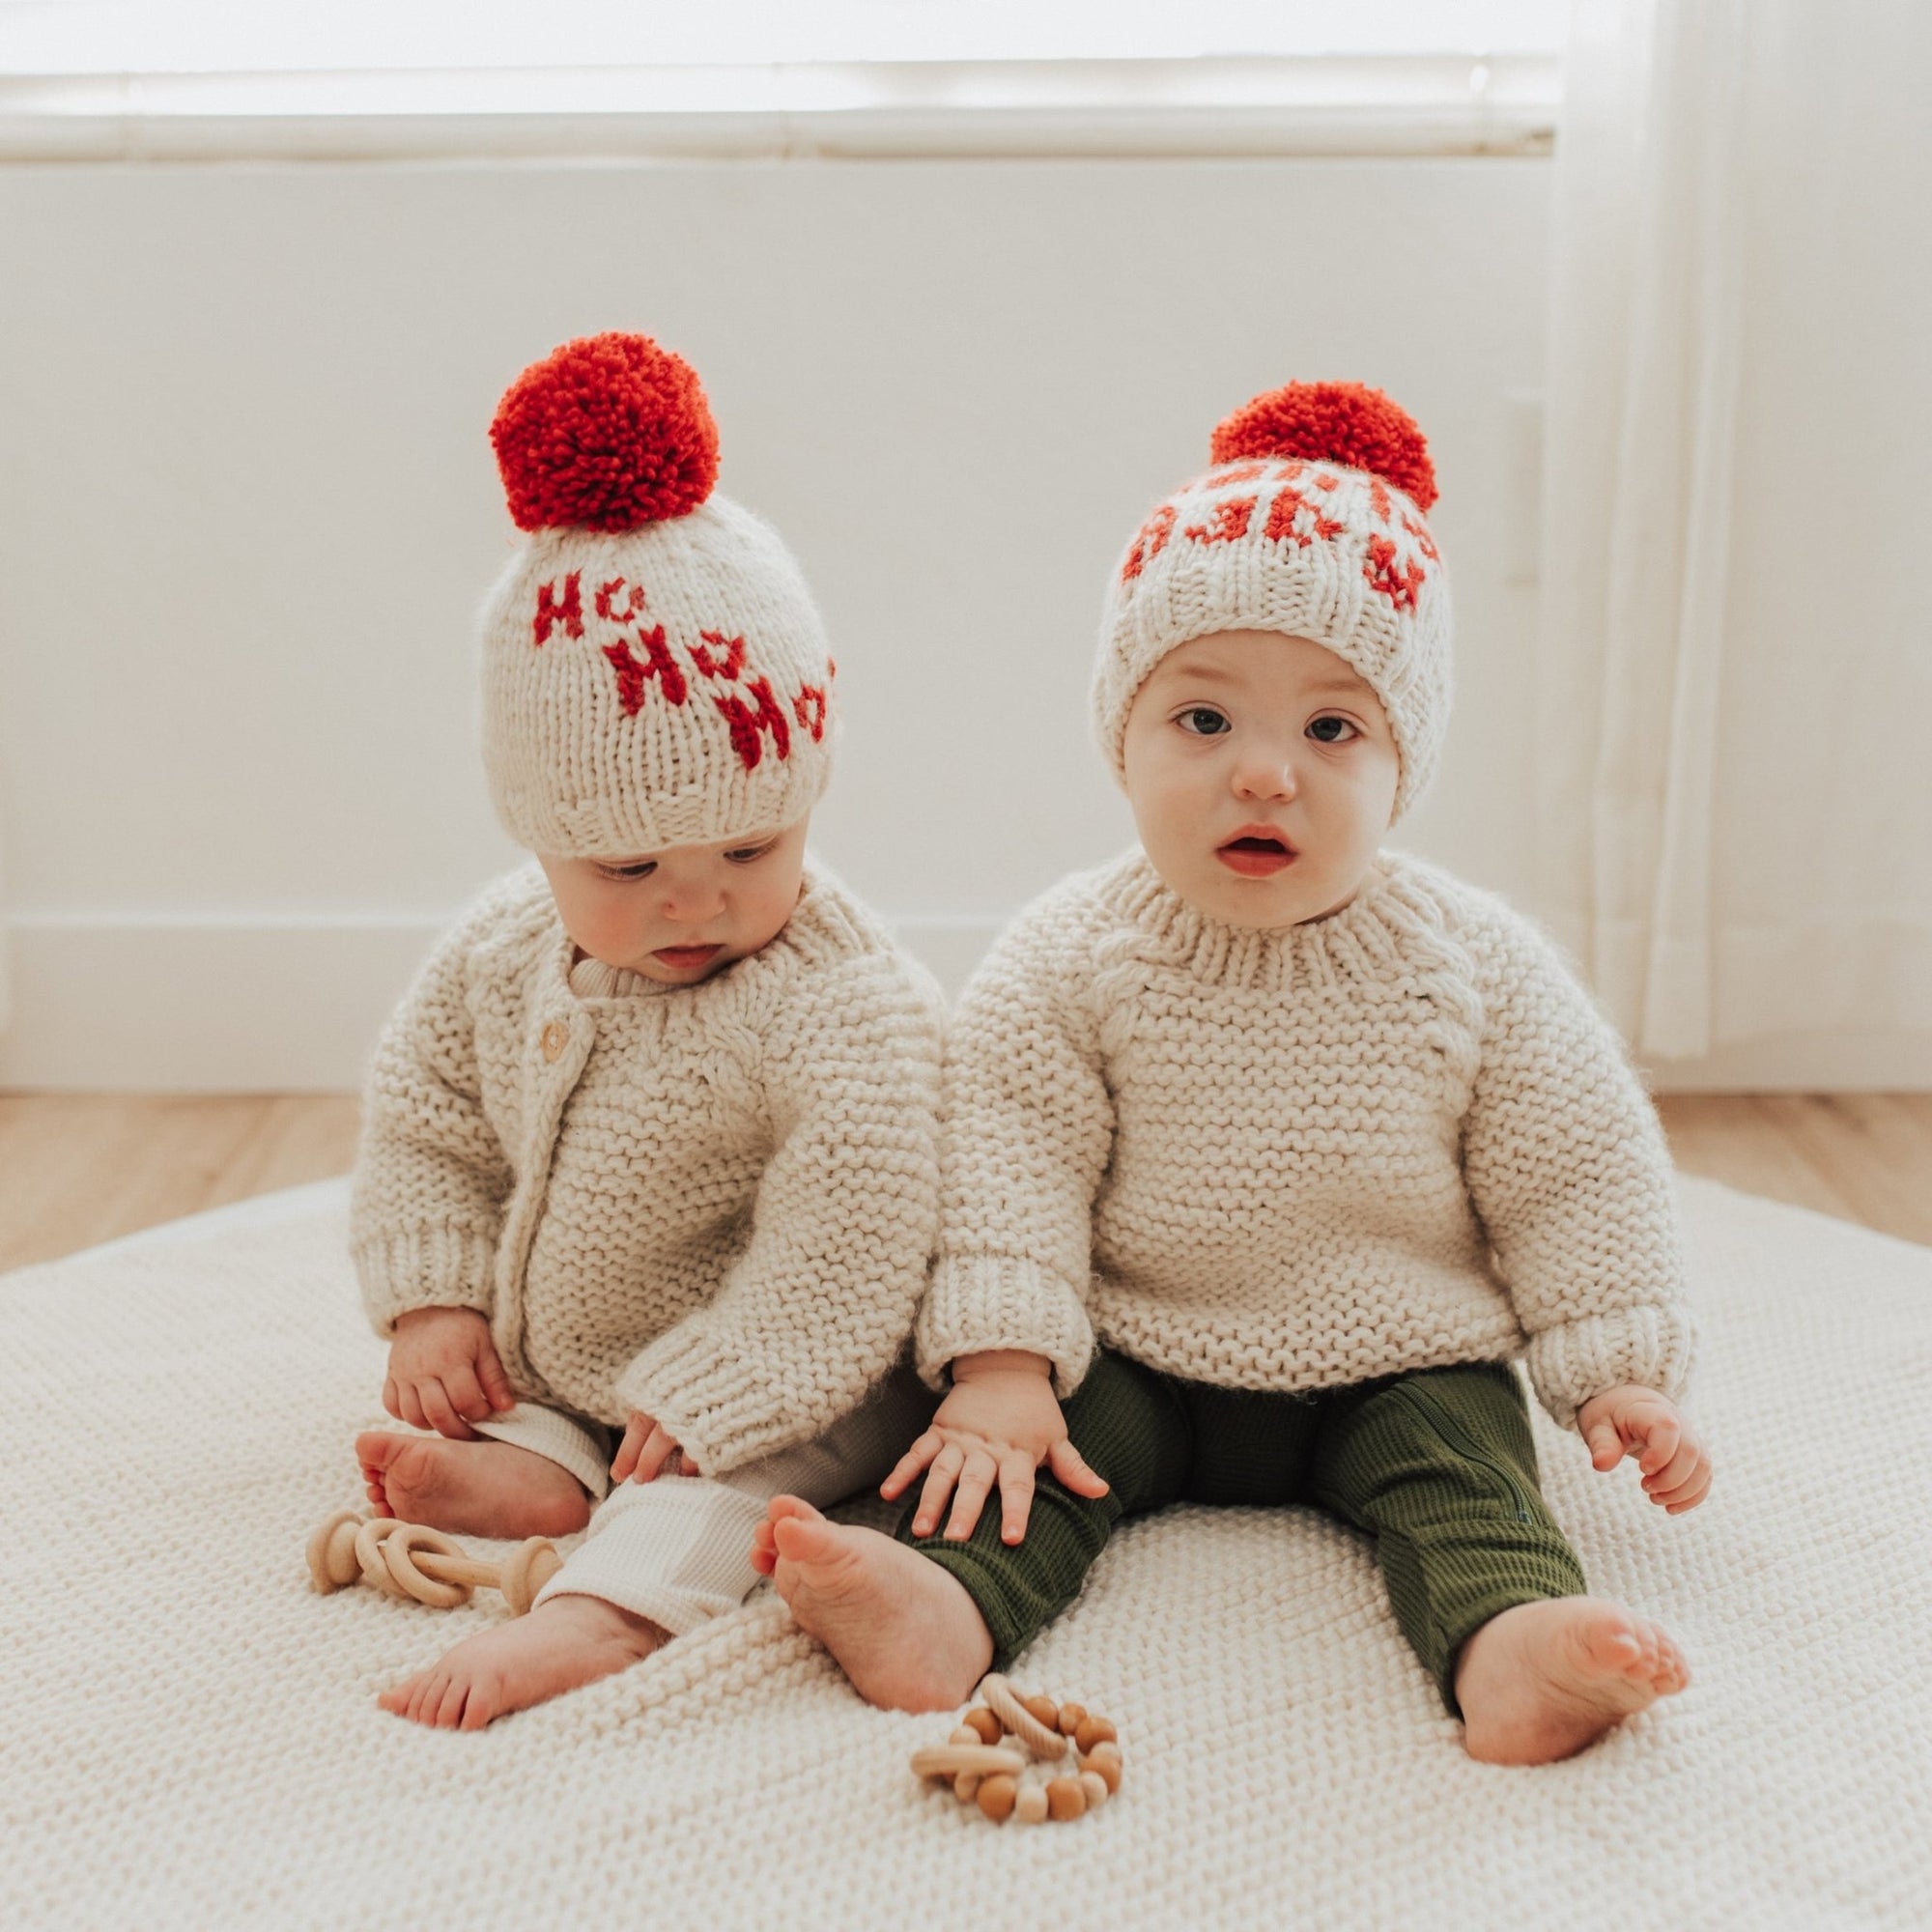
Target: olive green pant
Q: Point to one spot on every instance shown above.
(1437, 1465)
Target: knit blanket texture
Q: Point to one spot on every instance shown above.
(190, 1737)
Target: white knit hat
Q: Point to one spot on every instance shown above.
(1310, 524)
(655, 673)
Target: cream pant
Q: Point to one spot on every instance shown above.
(677, 1551)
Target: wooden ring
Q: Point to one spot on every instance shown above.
(400, 1546)
(526, 1570)
(950, 1761)
(1001, 1698)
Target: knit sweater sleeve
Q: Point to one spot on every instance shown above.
(819, 1304)
(1567, 1168)
(431, 1174)
(1027, 1127)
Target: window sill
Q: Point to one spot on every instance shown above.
(1376, 105)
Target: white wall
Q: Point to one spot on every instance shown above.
(247, 505)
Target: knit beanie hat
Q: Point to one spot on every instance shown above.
(1310, 524)
(654, 671)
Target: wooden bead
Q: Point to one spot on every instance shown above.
(1071, 1717)
(1065, 1800)
(1097, 1788)
(1104, 1762)
(1030, 1808)
(985, 1727)
(966, 1786)
(1004, 1701)
(1045, 1709)
(998, 1795)
(1094, 1731)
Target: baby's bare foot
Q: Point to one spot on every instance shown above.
(903, 1630)
(562, 1643)
(1541, 1680)
(471, 1489)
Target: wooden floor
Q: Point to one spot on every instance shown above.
(77, 1169)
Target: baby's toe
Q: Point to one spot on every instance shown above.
(450, 1708)
(398, 1696)
(484, 1701)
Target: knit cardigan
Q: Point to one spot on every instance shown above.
(715, 1203)
(1398, 1137)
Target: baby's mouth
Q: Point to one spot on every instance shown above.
(1256, 855)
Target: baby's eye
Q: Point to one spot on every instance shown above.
(1201, 720)
(746, 854)
(642, 869)
(1332, 731)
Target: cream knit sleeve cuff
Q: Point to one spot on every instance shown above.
(435, 1267)
(717, 1401)
(1001, 1301)
(1650, 1345)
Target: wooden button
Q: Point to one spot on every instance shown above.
(556, 1037)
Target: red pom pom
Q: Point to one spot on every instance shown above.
(606, 432)
(1333, 423)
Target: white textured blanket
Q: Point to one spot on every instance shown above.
(189, 1735)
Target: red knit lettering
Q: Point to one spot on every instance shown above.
(747, 724)
(1420, 532)
(734, 656)
(551, 612)
(1150, 541)
(1326, 482)
(632, 674)
(1230, 522)
(1289, 502)
(1378, 499)
(1241, 472)
(1399, 586)
(809, 708)
(634, 601)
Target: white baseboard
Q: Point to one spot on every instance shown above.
(247, 1005)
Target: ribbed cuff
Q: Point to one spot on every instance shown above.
(1650, 1347)
(717, 1400)
(425, 1268)
(1001, 1301)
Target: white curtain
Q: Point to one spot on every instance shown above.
(1734, 673)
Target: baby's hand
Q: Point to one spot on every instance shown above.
(646, 1452)
(443, 1371)
(999, 1423)
(1630, 1420)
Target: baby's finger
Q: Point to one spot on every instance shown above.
(1606, 1447)
(466, 1394)
(1016, 1484)
(1676, 1471)
(910, 1464)
(976, 1484)
(413, 1409)
(626, 1458)
(1690, 1491)
(391, 1401)
(1074, 1471)
(496, 1383)
(442, 1417)
(939, 1480)
(1661, 1439)
(652, 1457)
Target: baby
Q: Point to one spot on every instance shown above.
(648, 1149)
(1266, 1151)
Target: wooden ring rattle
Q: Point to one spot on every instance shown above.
(413, 1561)
(983, 1766)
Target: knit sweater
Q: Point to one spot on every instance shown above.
(713, 1203)
(1394, 1138)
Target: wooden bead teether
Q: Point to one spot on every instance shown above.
(412, 1560)
(984, 1768)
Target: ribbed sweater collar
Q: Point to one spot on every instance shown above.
(1378, 937)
